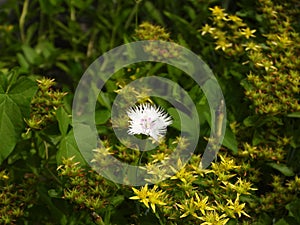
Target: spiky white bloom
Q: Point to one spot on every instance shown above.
(149, 120)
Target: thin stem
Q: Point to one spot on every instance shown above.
(22, 19)
(134, 13)
(139, 163)
(53, 175)
(159, 219)
(72, 12)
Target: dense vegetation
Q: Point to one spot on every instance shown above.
(253, 49)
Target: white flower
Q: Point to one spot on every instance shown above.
(149, 120)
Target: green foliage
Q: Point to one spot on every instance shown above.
(15, 95)
(14, 198)
(253, 49)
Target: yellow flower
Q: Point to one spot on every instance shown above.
(159, 157)
(207, 29)
(251, 46)
(266, 64)
(201, 204)
(219, 34)
(155, 198)
(228, 163)
(181, 142)
(182, 174)
(222, 44)
(248, 33)
(3, 175)
(147, 196)
(242, 186)
(284, 40)
(213, 218)
(218, 13)
(141, 195)
(234, 18)
(189, 208)
(7, 28)
(237, 207)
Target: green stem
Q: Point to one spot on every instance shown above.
(53, 175)
(22, 19)
(159, 219)
(139, 163)
(134, 13)
(72, 12)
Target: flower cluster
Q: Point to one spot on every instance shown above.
(13, 199)
(192, 202)
(85, 188)
(148, 31)
(44, 104)
(232, 43)
(273, 81)
(275, 84)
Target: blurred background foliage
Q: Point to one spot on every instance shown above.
(253, 49)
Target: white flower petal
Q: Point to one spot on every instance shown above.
(149, 120)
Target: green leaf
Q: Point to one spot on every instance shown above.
(287, 220)
(257, 138)
(231, 222)
(14, 107)
(30, 54)
(230, 141)
(102, 116)
(22, 61)
(180, 120)
(46, 199)
(282, 168)
(104, 100)
(251, 121)
(281, 222)
(10, 124)
(263, 219)
(178, 20)
(154, 12)
(293, 208)
(63, 120)
(53, 193)
(22, 92)
(294, 115)
(116, 200)
(68, 148)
